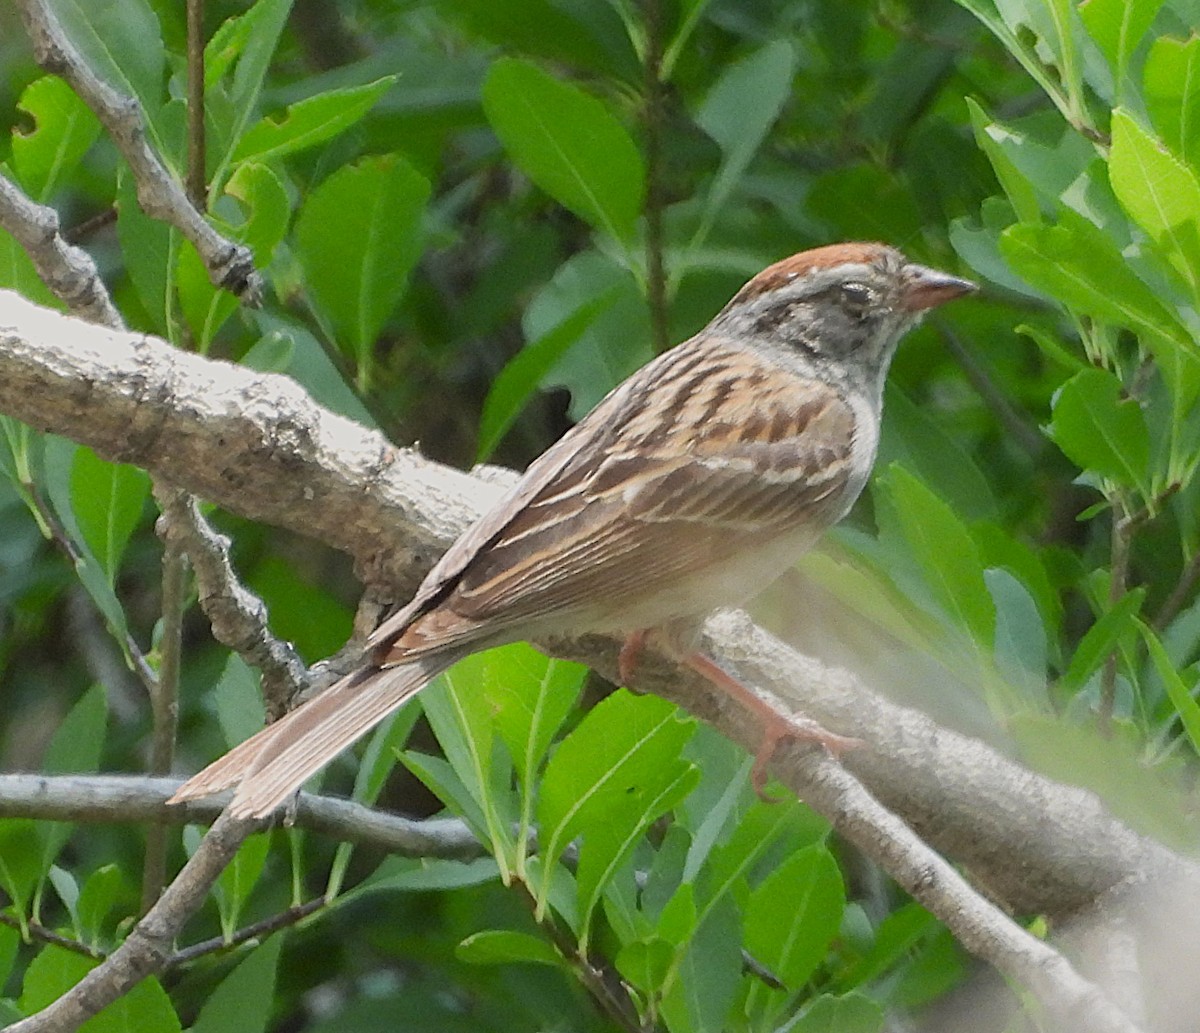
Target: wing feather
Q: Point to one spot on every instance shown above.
(631, 512)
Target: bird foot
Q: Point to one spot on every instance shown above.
(777, 728)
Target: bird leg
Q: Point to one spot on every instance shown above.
(777, 727)
(630, 654)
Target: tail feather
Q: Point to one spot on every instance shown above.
(268, 767)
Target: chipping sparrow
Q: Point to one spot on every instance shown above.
(692, 485)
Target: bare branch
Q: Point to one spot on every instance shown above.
(977, 924)
(68, 271)
(238, 617)
(251, 932)
(229, 265)
(109, 799)
(150, 943)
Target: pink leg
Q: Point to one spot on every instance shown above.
(631, 652)
(777, 727)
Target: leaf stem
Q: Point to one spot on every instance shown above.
(164, 707)
(1123, 526)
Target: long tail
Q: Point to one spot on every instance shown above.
(268, 767)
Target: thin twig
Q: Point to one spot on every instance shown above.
(1123, 526)
(230, 265)
(164, 709)
(150, 944)
(1014, 423)
(238, 617)
(1180, 594)
(254, 931)
(117, 799)
(37, 931)
(69, 272)
(652, 120)
(78, 233)
(196, 185)
(603, 985)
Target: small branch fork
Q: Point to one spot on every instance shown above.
(230, 265)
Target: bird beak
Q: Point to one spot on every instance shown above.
(926, 288)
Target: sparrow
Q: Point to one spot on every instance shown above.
(691, 486)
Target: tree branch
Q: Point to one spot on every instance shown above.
(68, 271)
(229, 265)
(109, 799)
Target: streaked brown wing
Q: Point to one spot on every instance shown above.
(629, 513)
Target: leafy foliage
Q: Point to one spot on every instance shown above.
(475, 219)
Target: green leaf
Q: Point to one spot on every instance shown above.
(420, 874)
(531, 696)
(20, 867)
(626, 747)
(243, 1001)
(462, 719)
(248, 40)
(505, 946)
(149, 248)
(853, 1013)
(896, 938)
(646, 964)
(614, 344)
(568, 143)
(238, 700)
(78, 742)
(357, 238)
(75, 747)
(121, 41)
(263, 197)
(237, 881)
(991, 136)
(310, 121)
(1181, 697)
(523, 374)
(708, 974)
(1102, 430)
(608, 844)
(1081, 267)
(1171, 92)
(108, 499)
(943, 549)
(1160, 193)
(794, 914)
(1101, 639)
(913, 437)
(59, 462)
(64, 129)
(741, 107)
(97, 898)
(55, 970)
(1118, 26)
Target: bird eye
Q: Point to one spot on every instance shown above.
(856, 298)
